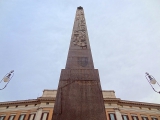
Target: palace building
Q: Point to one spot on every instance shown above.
(42, 108)
(79, 95)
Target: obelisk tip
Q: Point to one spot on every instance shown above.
(79, 7)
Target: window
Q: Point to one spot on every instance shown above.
(125, 117)
(153, 118)
(21, 117)
(31, 117)
(134, 118)
(11, 117)
(112, 116)
(44, 116)
(144, 118)
(2, 117)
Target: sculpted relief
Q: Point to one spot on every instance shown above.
(79, 35)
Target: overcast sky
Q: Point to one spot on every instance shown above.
(124, 38)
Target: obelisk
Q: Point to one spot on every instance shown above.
(79, 94)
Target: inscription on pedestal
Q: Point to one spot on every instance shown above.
(81, 74)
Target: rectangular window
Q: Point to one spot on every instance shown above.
(153, 118)
(134, 118)
(44, 116)
(21, 117)
(112, 116)
(144, 118)
(31, 117)
(2, 117)
(125, 117)
(11, 117)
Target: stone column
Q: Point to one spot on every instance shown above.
(118, 114)
(38, 114)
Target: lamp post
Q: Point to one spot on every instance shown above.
(7, 78)
(152, 81)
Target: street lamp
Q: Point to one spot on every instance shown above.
(7, 78)
(152, 81)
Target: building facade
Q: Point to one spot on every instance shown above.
(42, 108)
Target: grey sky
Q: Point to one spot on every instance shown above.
(124, 37)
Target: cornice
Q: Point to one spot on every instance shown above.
(20, 102)
(30, 101)
(138, 103)
(46, 98)
(114, 100)
(130, 103)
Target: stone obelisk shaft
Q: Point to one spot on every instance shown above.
(79, 95)
(79, 55)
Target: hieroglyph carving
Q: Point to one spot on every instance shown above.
(79, 35)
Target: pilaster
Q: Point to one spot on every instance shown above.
(38, 114)
(118, 114)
